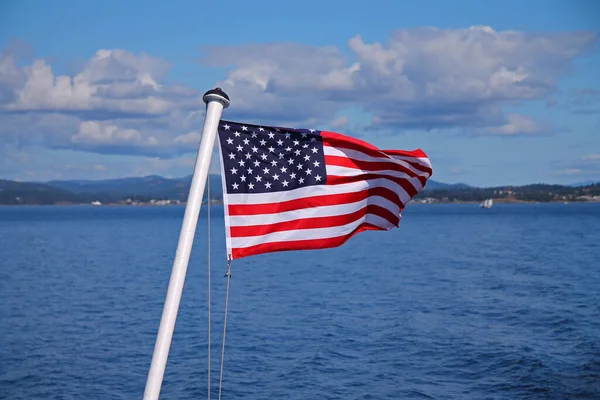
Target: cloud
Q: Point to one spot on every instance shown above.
(340, 122)
(592, 157)
(119, 102)
(588, 166)
(518, 125)
(113, 83)
(421, 78)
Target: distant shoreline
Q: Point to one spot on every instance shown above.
(220, 203)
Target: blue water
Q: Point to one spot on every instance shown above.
(458, 303)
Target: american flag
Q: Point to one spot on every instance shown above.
(299, 189)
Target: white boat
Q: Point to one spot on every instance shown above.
(488, 203)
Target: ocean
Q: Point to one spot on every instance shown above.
(458, 303)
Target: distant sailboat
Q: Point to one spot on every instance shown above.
(488, 203)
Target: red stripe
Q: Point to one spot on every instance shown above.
(418, 153)
(313, 201)
(372, 166)
(315, 222)
(301, 244)
(338, 180)
(334, 139)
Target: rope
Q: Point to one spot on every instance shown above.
(208, 275)
(228, 275)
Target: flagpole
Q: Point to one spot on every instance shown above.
(216, 100)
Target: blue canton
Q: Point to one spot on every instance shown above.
(262, 159)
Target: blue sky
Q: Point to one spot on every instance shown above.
(495, 92)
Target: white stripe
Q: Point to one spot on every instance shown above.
(312, 212)
(419, 160)
(346, 171)
(317, 190)
(358, 155)
(310, 234)
(225, 202)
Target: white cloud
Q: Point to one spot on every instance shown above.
(421, 78)
(99, 132)
(426, 78)
(189, 138)
(113, 82)
(517, 125)
(340, 122)
(592, 157)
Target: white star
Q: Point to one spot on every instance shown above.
(297, 152)
(271, 149)
(283, 169)
(250, 171)
(231, 156)
(274, 163)
(276, 177)
(306, 157)
(279, 142)
(305, 146)
(241, 162)
(235, 186)
(271, 135)
(290, 161)
(248, 156)
(243, 178)
(304, 134)
(234, 170)
(229, 141)
(246, 141)
(314, 150)
(287, 135)
(301, 180)
(299, 166)
(280, 155)
(313, 139)
(311, 130)
(254, 134)
(265, 170)
(318, 178)
(292, 175)
(263, 142)
(256, 163)
(263, 156)
(251, 186)
(296, 143)
(285, 183)
(268, 185)
(288, 148)
(239, 148)
(258, 178)
(237, 134)
(226, 127)
(254, 149)
(316, 163)
(244, 128)
(308, 171)
(261, 129)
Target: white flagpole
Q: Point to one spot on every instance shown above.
(216, 100)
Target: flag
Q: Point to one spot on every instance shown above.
(300, 189)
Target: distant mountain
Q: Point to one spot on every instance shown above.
(434, 185)
(13, 193)
(152, 186)
(584, 183)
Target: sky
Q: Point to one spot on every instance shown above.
(495, 92)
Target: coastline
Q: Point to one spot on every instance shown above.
(220, 203)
